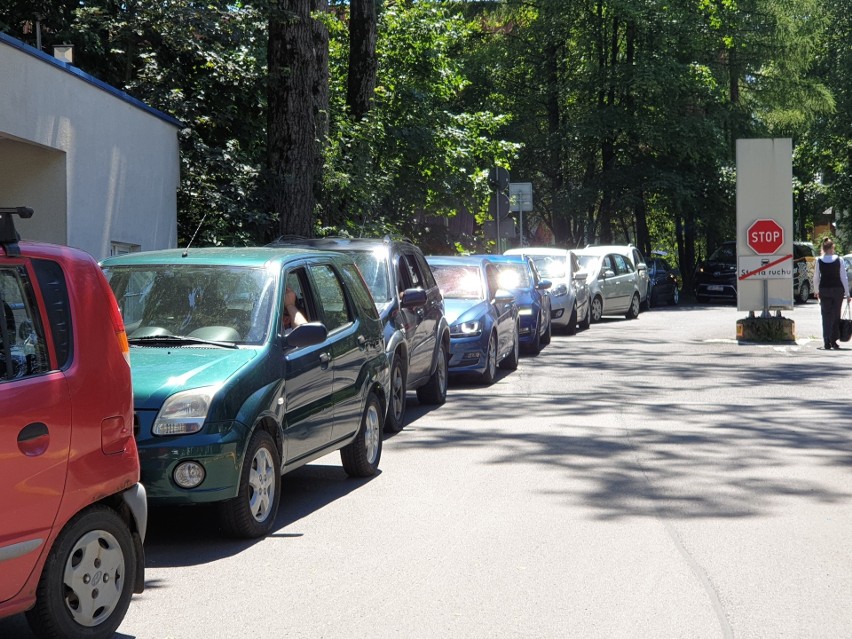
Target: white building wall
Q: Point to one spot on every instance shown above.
(65, 142)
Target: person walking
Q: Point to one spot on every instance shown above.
(832, 287)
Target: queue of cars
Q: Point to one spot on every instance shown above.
(245, 363)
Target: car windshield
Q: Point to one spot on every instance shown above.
(513, 276)
(219, 303)
(589, 263)
(725, 253)
(551, 266)
(459, 282)
(374, 269)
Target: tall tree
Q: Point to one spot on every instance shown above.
(362, 56)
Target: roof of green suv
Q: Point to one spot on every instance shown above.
(241, 256)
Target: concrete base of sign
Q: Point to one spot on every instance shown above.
(766, 329)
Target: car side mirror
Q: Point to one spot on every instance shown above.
(503, 296)
(412, 297)
(581, 276)
(307, 335)
(608, 273)
(642, 266)
(543, 285)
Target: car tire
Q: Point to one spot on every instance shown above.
(596, 310)
(633, 311)
(252, 512)
(586, 322)
(548, 332)
(571, 328)
(360, 457)
(435, 390)
(674, 300)
(395, 420)
(804, 292)
(490, 372)
(510, 362)
(534, 346)
(97, 543)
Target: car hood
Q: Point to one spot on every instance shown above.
(160, 372)
(457, 310)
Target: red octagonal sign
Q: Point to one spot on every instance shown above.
(765, 237)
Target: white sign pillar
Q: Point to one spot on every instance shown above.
(765, 225)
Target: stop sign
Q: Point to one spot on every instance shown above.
(765, 237)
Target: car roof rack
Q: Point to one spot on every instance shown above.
(8, 234)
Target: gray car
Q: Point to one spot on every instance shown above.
(613, 283)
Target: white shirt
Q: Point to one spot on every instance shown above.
(828, 259)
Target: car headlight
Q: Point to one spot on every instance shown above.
(466, 329)
(525, 310)
(184, 413)
(559, 290)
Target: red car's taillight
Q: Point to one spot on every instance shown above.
(117, 321)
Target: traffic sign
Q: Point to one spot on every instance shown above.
(765, 237)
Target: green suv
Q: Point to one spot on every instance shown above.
(233, 386)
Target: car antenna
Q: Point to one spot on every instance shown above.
(192, 239)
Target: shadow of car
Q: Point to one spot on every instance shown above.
(570, 300)
(613, 283)
(483, 319)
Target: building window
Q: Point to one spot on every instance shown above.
(123, 248)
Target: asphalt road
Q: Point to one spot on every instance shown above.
(644, 478)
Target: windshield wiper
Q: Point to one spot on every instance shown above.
(176, 340)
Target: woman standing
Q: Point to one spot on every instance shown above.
(832, 287)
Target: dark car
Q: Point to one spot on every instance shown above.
(716, 277)
(519, 275)
(409, 302)
(248, 363)
(663, 286)
(483, 319)
(73, 514)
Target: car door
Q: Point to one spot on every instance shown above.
(504, 310)
(347, 351)
(626, 280)
(417, 321)
(609, 285)
(308, 375)
(35, 422)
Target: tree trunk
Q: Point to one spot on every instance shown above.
(362, 56)
(291, 116)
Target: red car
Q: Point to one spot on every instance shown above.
(73, 511)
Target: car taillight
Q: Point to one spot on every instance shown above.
(117, 321)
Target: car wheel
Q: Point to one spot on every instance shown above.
(252, 512)
(597, 309)
(587, 320)
(548, 332)
(571, 329)
(633, 311)
(490, 371)
(435, 390)
(510, 362)
(675, 298)
(804, 292)
(396, 406)
(360, 457)
(534, 346)
(87, 581)
(650, 300)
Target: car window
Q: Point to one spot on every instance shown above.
(638, 258)
(575, 263)
(514, 275)
(622, 265)
(459, 282)
(331, 300)
(54, 292)
(492, 276)
(550, 266)
(727, 252)
(23, 349)
(415, 274)
(427, 277)
(591, 263)
(360, 293)
(297, 281)
(374, 269)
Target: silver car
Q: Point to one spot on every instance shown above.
(613, 282)
(570, 299)
(638, 260)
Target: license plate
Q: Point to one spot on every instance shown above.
(715, 288)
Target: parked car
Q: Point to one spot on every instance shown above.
(847, 261)
(716, 277)
(664, 287)
(613, 282)
(231, 390)
(417, 336)
(519, 275)
(804, 261)
(74, 514)
(569, 294)
(634, 255)
(483, 318)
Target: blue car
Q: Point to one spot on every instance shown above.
(519, 275)
(483, 319)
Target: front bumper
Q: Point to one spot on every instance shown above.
(529, 327)
(716, 290)
(466, 355)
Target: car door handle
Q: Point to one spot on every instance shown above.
(324, 359)
(362, 342)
